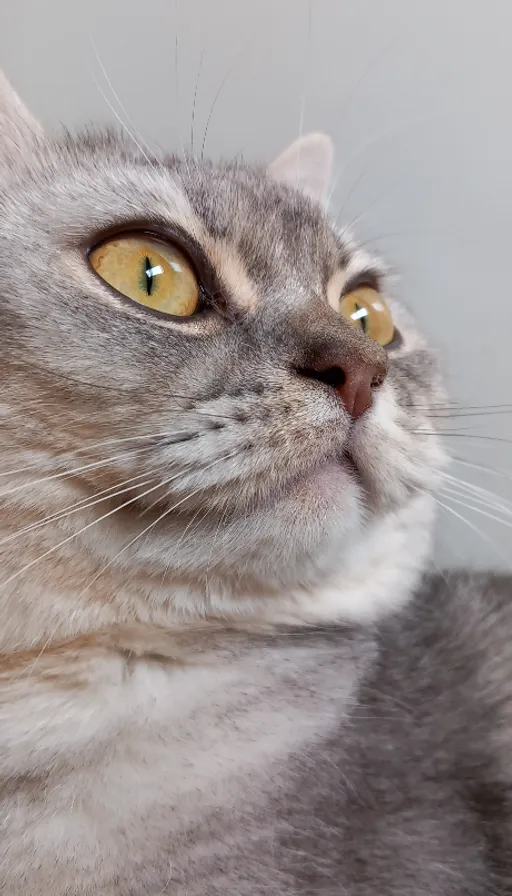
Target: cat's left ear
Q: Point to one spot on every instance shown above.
(306, 165)
(18, 129)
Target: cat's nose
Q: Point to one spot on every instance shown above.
(353, 374)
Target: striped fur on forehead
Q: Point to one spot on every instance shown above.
(254, 264)
(275, 230)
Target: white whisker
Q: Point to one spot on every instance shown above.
(493, 471)
(193, 119)
(306, 78)
(474, 529)
(390, 131)
(123, 110)
(475, 509)
(475, 501)
(210, 555)
(240, 56)
(102, 444)
(84, 504)
(63, 474)
(126, 128)
(482, 495)
(154, 523)
(85, 528)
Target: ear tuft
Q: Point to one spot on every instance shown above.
(306, 165)
(18, 129)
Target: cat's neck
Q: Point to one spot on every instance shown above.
(67, 574)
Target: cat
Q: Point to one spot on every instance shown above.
(224, 664)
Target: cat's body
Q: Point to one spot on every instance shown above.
(222, 666)
(347, 761)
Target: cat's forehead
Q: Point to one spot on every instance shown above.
(263, 239)
(262, 236)
(264, 219)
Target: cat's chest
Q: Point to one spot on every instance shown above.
(272, 799)
(186, 746)
(196, 733)
(244, 776)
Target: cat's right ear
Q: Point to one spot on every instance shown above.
(18, 129)
(306, 165)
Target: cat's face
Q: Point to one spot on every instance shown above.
(235, 424)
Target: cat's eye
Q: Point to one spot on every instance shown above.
(365, 308)
(150, 272)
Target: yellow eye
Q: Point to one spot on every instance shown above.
(149, 272)
(365, 308)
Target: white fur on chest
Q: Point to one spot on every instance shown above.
(167, 746)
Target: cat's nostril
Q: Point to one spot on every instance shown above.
(354, 383)
(333, 376)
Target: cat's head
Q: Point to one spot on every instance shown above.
(197, 339)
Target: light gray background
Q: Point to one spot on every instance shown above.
(418, 97)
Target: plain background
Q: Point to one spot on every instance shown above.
(418, 98)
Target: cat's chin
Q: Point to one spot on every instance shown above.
(336, 477)
(330, 495)
(334, 481)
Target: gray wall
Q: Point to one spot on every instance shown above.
(418, 98)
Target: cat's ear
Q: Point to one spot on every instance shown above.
(306, 165)
(18, 129)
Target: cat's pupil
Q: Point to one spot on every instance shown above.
(148, 270)
(362, 319)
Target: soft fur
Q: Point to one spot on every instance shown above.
(222, 667)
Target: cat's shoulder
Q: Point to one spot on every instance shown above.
(451, 648)
(465, 608)
(470, 585)
(455, 608)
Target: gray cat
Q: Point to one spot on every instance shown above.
(223, 665)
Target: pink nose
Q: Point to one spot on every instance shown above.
(353, 376)
(356, 392)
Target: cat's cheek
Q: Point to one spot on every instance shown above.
(386, 472)
(394, 464)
